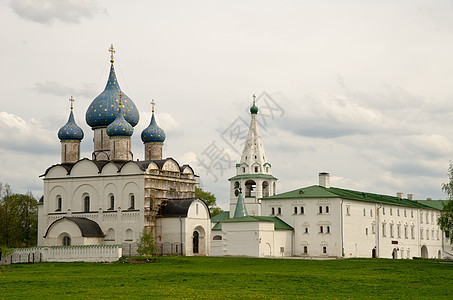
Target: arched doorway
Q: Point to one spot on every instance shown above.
(373, 253)
(394, 253)
(196, 241)
(424, 251)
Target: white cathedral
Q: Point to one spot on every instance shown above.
(111, 198)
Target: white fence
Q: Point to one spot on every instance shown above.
(88, 253)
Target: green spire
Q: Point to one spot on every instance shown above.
(254, 108)
(240, 211)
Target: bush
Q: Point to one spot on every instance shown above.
(146, 244)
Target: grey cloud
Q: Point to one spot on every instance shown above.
(57, 89)
(47, 11)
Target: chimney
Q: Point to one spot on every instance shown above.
(410, 196)
(324, 180)
(400, 195)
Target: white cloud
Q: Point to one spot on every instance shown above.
(25, 136)
(47, 11)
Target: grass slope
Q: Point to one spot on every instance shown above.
(211, 277)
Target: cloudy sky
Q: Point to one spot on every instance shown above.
(360, 89)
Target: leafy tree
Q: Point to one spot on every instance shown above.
(446, 216)
(210, 200)
(145, 243)
(19, 218)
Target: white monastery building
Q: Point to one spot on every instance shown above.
(319, 220)
(111, 198)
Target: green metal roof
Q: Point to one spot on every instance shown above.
(222, 216)
(316, 191)
(252, 176)
(436, 204)
(278, 223)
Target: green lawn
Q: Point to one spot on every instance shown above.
(211, 277)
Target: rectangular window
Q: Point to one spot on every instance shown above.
(364, 212)
(391, 212)
(412, 213)
(371, 212)
(295, 210)
(373, 229)
(405, 215)
(347, 211)
(383, 210)
(421, 217)
(320, 229)
(398, 212)
(427, 221)
(383, 229)
(398, 231)
(427, 234)
(405, 232)
(421, 234)
(306, 229)
(432, 218)
(432, 234)
(412, 232)
(366, 231)
(324, 249)
(301, 210)
(327, 209)
(391, 230)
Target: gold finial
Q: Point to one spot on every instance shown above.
(72, 101)
(254, 97)
(112, 51)
(152, 104)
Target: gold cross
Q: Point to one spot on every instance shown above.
(112, 51)
(254, 97)
(72, 101)
(152, 104)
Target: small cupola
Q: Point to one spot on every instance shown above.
(120, 132)
(153, 137)
(70, 136)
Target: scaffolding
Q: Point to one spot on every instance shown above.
(160, 186)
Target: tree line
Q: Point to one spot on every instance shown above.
(18, 218)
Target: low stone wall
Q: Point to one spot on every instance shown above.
(87, 253)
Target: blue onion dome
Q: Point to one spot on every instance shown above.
(103, 109)
(153, 133)
(120, 127)
(70, 131)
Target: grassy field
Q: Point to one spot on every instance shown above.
(211, 277)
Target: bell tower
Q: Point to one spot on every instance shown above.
(253, 172)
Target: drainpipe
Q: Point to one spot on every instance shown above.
(180, 233)
(377, 230)
(341, 224)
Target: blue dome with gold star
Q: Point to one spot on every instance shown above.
(70, 131)
(102, 111)
(120, 127)
(153, 133)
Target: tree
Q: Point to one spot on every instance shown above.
(145, 243)
(446, 216)
(19, 218)
(210, 200)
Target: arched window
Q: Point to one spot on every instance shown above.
(321, 229)
(217, 238)
(305, 250)
(112, 202)
(328, 229)
(273, 211)
(324, 249)
(320, 209)
(59, 203)
(265, 189)
(327, 209)
(132, 200)
(66, 241)
(279, 211)
(86, 204)
(295, 210)
(250, 186)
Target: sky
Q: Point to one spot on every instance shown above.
(360, 89)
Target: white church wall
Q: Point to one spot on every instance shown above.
(242, 239)
(198, 219)
(216, 243)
